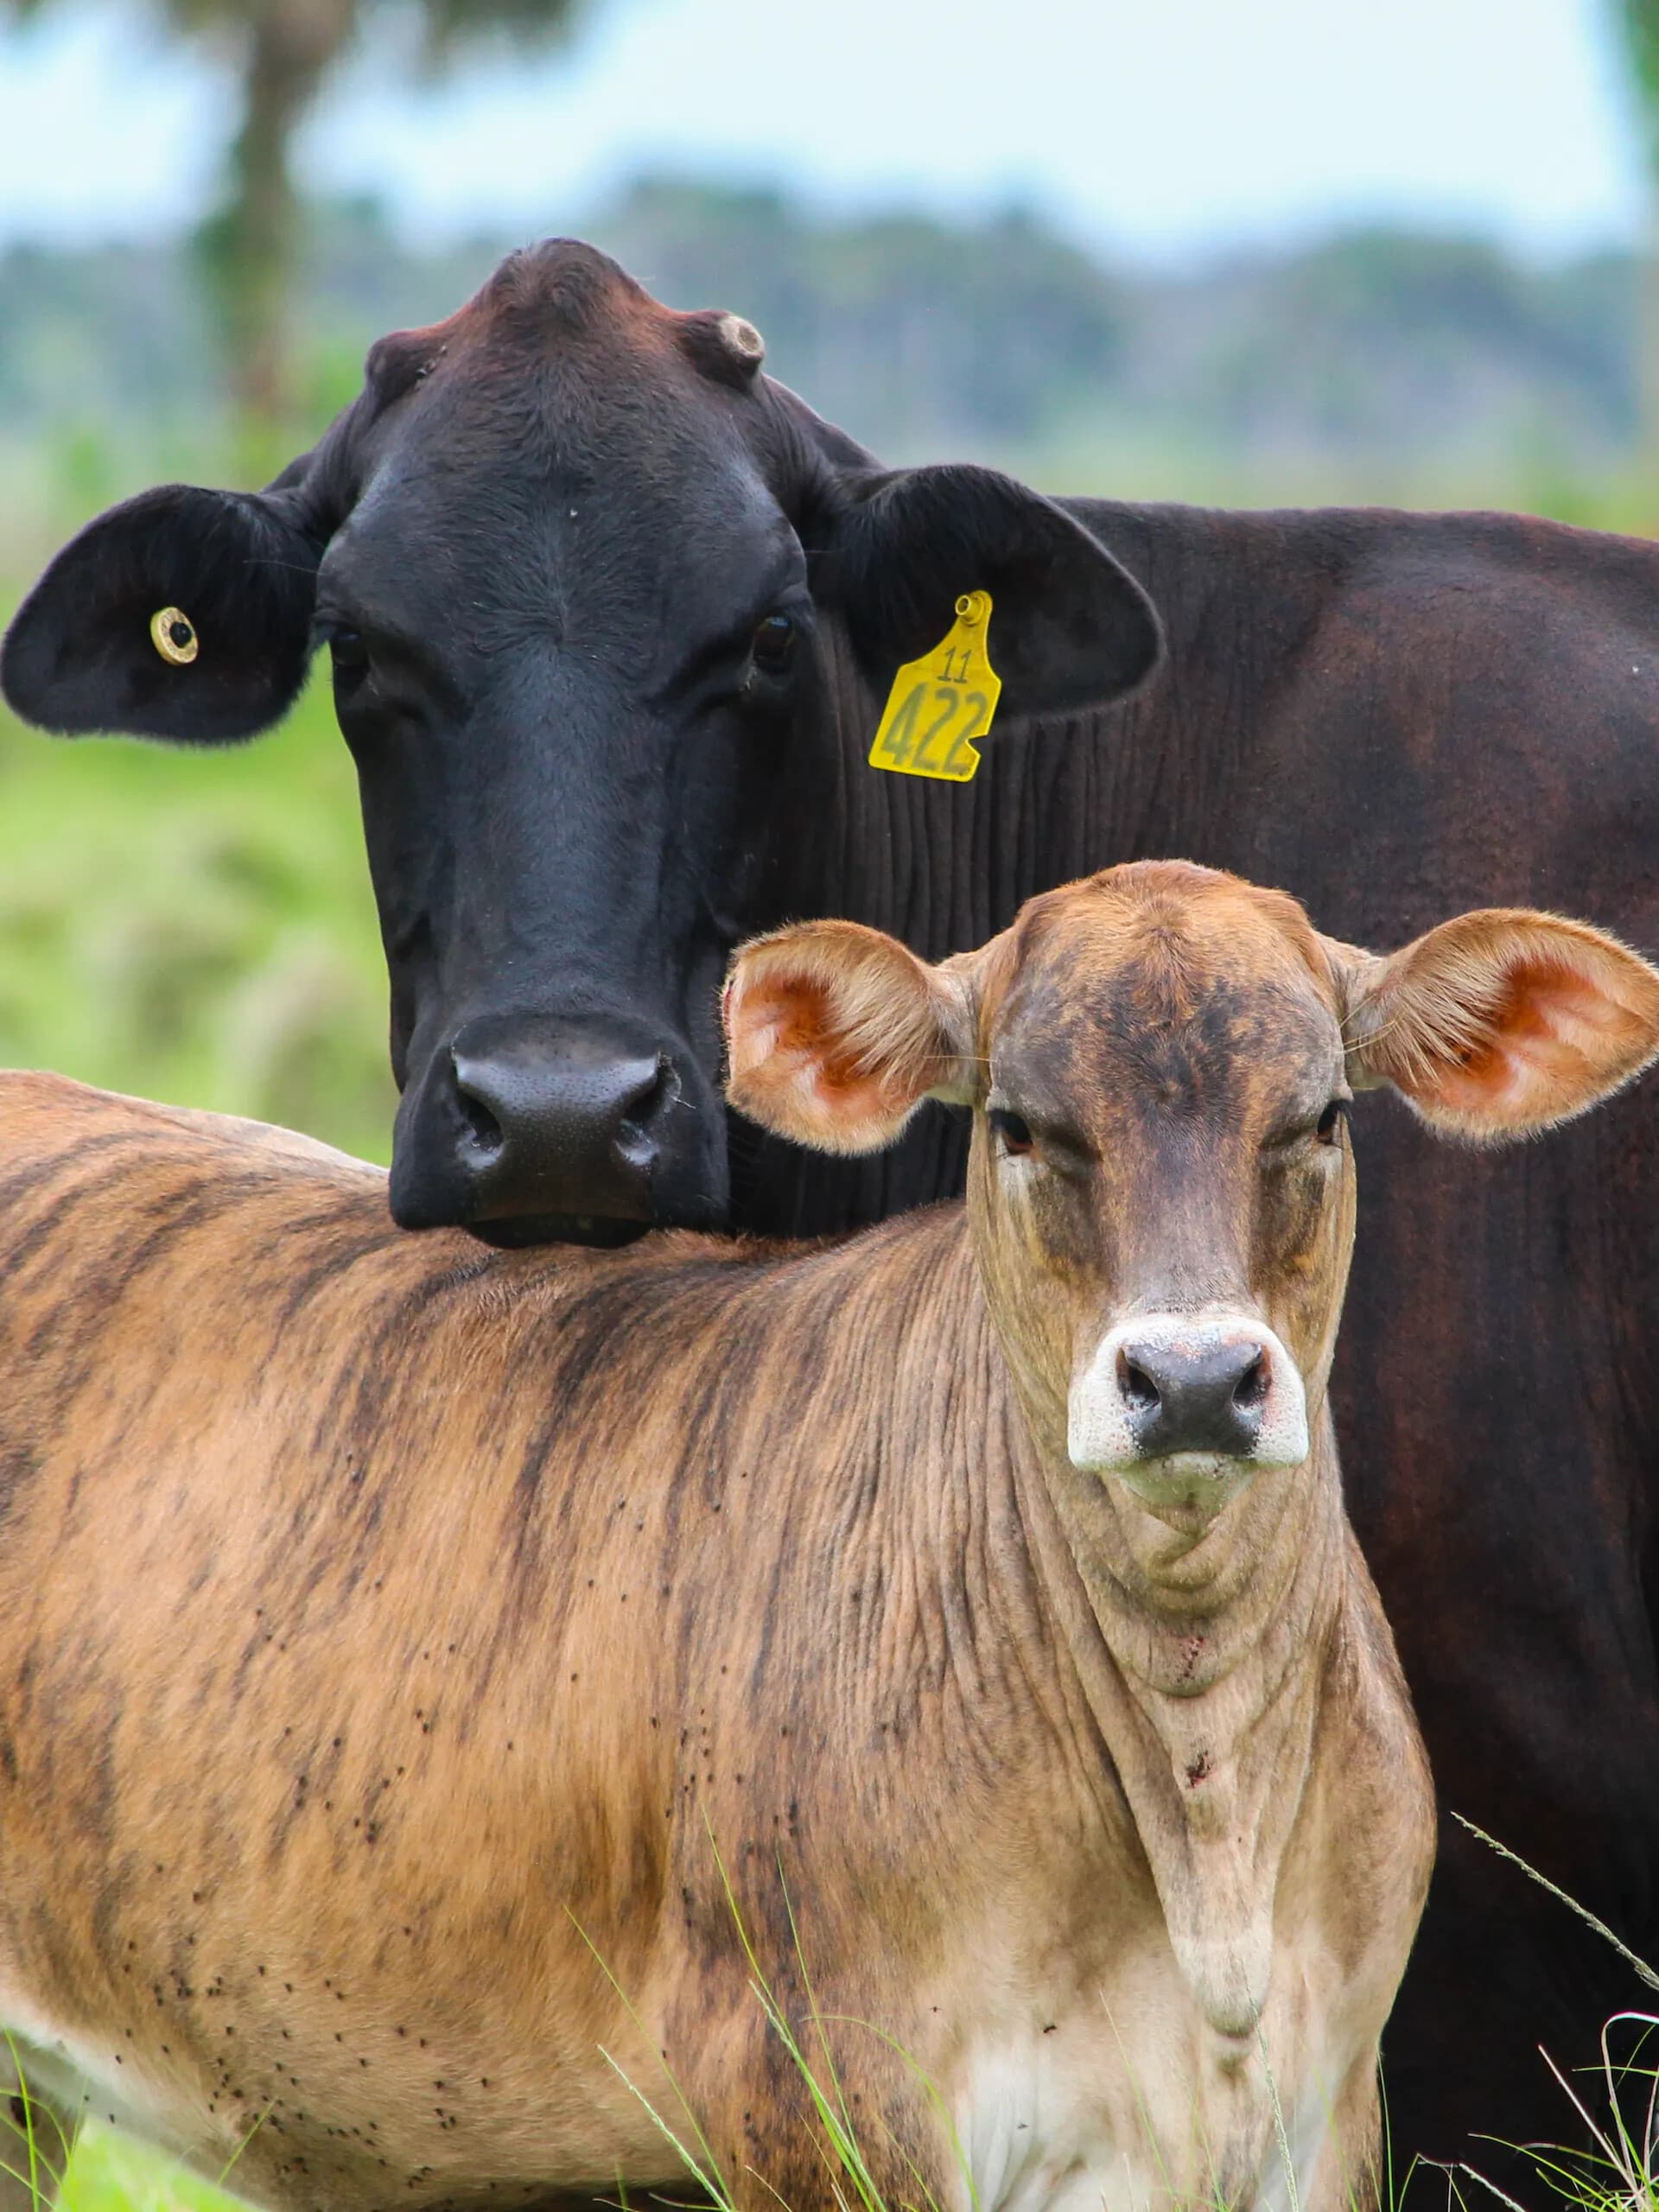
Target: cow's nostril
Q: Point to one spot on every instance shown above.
(482, 1127)
(652, 1097)
(1140, 1391)
(1251, 1387)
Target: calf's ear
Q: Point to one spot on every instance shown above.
(836, 1034)
(240, 572)
(1069, 627)
(1502, 1022)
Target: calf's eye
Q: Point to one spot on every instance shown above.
(1012, 1133)
(773, 648)
(1328, 1128)
(348, 652)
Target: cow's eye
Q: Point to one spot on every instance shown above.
(1328, 1128)
(349, 653)
(774, 644)
(1013, 1133)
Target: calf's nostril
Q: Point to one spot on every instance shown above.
(1139, 1392)
(1251, 1389)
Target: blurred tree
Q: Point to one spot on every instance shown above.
(281, 52)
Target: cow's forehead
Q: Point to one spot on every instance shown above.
(563, 439)
(561, 358)
(558, 304)
(1163, 979)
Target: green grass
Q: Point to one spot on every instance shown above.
(106, 2171)
(1619, 2170)
(197, 925)
(111, 2173)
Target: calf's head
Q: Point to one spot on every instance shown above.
(1160, 1061)
(587, 575)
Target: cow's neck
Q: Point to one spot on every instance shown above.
(1202, 1654)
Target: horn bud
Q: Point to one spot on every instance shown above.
(742, 341)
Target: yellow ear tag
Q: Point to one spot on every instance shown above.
(940, 705)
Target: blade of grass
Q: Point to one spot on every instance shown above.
(930, 2089)
(836, 2124)
(1640, 1966)
(226, 2169)
(662, 2060)
(1292, 2193)
(716, 2188)
(30, 2137)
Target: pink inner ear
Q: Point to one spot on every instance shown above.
(1549, 1027)
(790, 1040)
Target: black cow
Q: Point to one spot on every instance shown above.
(612, 617)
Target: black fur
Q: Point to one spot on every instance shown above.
(1065, 614)
(242, 566)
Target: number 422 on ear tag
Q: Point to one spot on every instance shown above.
(939, 704)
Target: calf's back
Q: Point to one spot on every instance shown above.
(392, 1634)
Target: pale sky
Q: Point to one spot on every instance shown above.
(1153, 128)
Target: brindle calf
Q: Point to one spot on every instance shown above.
(384, 1622)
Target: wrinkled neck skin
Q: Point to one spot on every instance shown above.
(1202, 1656)
(1200, 1640)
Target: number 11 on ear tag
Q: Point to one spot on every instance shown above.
(939, 704)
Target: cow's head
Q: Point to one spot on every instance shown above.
(586, 575)
(1161, 1060)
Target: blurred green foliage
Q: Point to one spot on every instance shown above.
(196, 926)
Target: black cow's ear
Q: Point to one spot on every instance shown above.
(1070, 629)
(182, 613)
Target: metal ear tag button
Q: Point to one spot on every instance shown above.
(174, 636)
